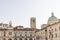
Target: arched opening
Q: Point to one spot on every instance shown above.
(4, 39)
(30, 39)
(9, 39)
(25, 38)
(20, 39)
(15, 39)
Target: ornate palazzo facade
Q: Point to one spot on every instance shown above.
(8, 32)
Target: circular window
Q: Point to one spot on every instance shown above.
(10, 33)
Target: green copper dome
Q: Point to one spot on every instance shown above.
(52, 19)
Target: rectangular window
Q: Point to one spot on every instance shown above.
(55, 29)
(49, 36)
(59, 28)
(56, 35)
(59, 34)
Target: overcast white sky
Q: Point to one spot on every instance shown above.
(20, 11)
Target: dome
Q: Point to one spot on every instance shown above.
(52, 19)
(43, 25)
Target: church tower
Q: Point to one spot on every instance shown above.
(33, 22)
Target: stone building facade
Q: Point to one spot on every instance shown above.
(51, 30)
(8, 32)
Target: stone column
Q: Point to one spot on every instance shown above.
(32, 38)
(27, 38)
(23, 39)
(17, 38)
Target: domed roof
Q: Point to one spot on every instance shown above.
(52, 19)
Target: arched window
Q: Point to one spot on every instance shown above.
(9, 39)
(38, 37)
(10, 33)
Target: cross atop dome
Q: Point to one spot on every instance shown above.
(52, 14)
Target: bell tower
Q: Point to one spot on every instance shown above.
(33, 22)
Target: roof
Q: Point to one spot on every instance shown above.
(50, 25)
(26, 29)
